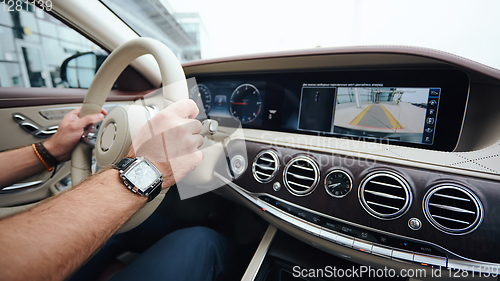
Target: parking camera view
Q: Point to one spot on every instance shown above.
(394, 113)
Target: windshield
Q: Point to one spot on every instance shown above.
(196, 29)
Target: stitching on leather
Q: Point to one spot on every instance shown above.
(486, 157)
(380, 150)
(489, 169)
(401, 156)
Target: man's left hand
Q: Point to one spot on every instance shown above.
(70, 132)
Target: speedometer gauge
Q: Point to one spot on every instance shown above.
(201, 95)
(246, 103)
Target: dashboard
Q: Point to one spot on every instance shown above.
(380, 157)
(415, 108)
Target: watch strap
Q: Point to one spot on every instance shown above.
(124, 163)
(156, 190)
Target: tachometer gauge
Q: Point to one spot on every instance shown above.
(201, 95)
(338, 183)
(246, 103)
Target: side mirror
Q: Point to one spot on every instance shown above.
(79, 70)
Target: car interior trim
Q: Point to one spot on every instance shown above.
(452, 260)
(20, 186)
(451, 162)
(259, 255)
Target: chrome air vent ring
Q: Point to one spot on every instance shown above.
(385, 195)
(265, 166)
(301, 175)
(453, 209)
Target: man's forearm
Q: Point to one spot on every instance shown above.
(54, 238)
(18, 164)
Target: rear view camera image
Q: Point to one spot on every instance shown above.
(392, 113)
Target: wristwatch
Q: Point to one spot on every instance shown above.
(140, 176)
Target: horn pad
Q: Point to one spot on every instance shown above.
(113, 139)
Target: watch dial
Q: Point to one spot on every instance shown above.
(142, 176)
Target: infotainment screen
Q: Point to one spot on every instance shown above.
(393, 113)
(421, 108)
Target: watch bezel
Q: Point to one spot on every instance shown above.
(130, 185)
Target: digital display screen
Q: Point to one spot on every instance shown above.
(415, 108)
(230, 102)
(393, 113)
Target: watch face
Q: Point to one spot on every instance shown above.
(142, 176)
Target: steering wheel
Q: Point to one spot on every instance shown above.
(117, 145)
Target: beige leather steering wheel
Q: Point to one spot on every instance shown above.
(172, 75)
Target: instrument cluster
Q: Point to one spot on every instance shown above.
(242, 102)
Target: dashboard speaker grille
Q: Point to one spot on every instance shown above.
(301, 175)
(385, 195)
(453, 209)
(265, 166)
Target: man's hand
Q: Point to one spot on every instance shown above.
(69, 133)
(171, 140)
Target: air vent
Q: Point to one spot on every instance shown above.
(453, 209)
(385, 195)
(265, 166)
(301, 175)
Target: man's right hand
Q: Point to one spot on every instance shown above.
(171, 140)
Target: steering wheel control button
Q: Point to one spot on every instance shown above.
(238, 165)
(402, 255)
(108, 136)
(209, 127)
(429, 260)
(414, 224)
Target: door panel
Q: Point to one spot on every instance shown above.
(23, 97)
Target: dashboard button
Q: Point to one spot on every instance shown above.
(238, 165)
(414, 224)
(362, 246)
(314, 229)
(402, 255)
(270, 210)
(430, 260)
(268, 200)
(328, 235)
(345, 240)
(382, 251)
(301, 224)
(261, 204)
(289, 219)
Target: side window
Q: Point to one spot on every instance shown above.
(34, 45)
